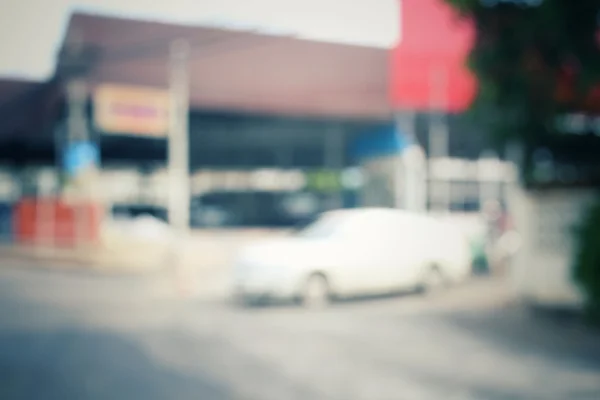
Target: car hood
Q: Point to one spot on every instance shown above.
(281, 250)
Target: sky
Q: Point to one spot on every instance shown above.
(31, 30)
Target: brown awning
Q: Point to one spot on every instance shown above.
(19, 103)
(240, 70)
(12, 89)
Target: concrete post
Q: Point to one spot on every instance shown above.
(489, 188)
(410, 173)
(179, 165)
(405, 125)
(178, 156)
(438, 132)
(79, 188)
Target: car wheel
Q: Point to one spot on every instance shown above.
(246, 302)
(238, 300)
(432, 280)
(316, 292)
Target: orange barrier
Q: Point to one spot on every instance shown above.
(52, 221)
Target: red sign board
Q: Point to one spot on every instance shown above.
(434, 41)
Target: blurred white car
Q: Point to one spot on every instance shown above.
(353, 252)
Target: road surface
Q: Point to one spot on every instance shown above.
(78, 336)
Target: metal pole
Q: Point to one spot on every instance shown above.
(285, 153)
(405, 126)
(489, 188)
(286, 164)
(438, 132)
(74, 65)
(45, 207)
(77, 96)
(178, 157)
(248, 210)
(78, 132)
(334, 162)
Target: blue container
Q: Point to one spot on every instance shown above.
(379, 143)
(6, 222)
(80, 156)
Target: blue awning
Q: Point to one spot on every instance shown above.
(380, 143)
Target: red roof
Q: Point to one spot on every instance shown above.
(433, 39)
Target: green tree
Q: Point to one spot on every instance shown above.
(532, 62)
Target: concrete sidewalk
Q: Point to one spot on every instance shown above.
(204, 257)
(90, 259)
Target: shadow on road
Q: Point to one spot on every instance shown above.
(265, 304)
(74, 364)
(520, 332)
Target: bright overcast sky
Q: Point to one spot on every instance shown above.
(30, 30)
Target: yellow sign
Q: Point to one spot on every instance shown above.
(131, 110)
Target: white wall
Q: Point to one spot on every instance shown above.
(542, 269)
(386, 179)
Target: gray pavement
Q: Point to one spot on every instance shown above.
(81, 336)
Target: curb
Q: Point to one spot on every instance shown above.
(73, 266)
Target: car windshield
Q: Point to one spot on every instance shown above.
(324, 227)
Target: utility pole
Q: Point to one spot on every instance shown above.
(178, 140)
(438, 135)
(74, 64)
(402, 184)
(79, 148)
(178, 163)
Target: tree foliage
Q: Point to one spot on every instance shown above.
(533, 62)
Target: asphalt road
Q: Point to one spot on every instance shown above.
(77, 336)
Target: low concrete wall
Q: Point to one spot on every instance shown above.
(203, 250)
(218, 248)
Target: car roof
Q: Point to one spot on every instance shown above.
(374, 212)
